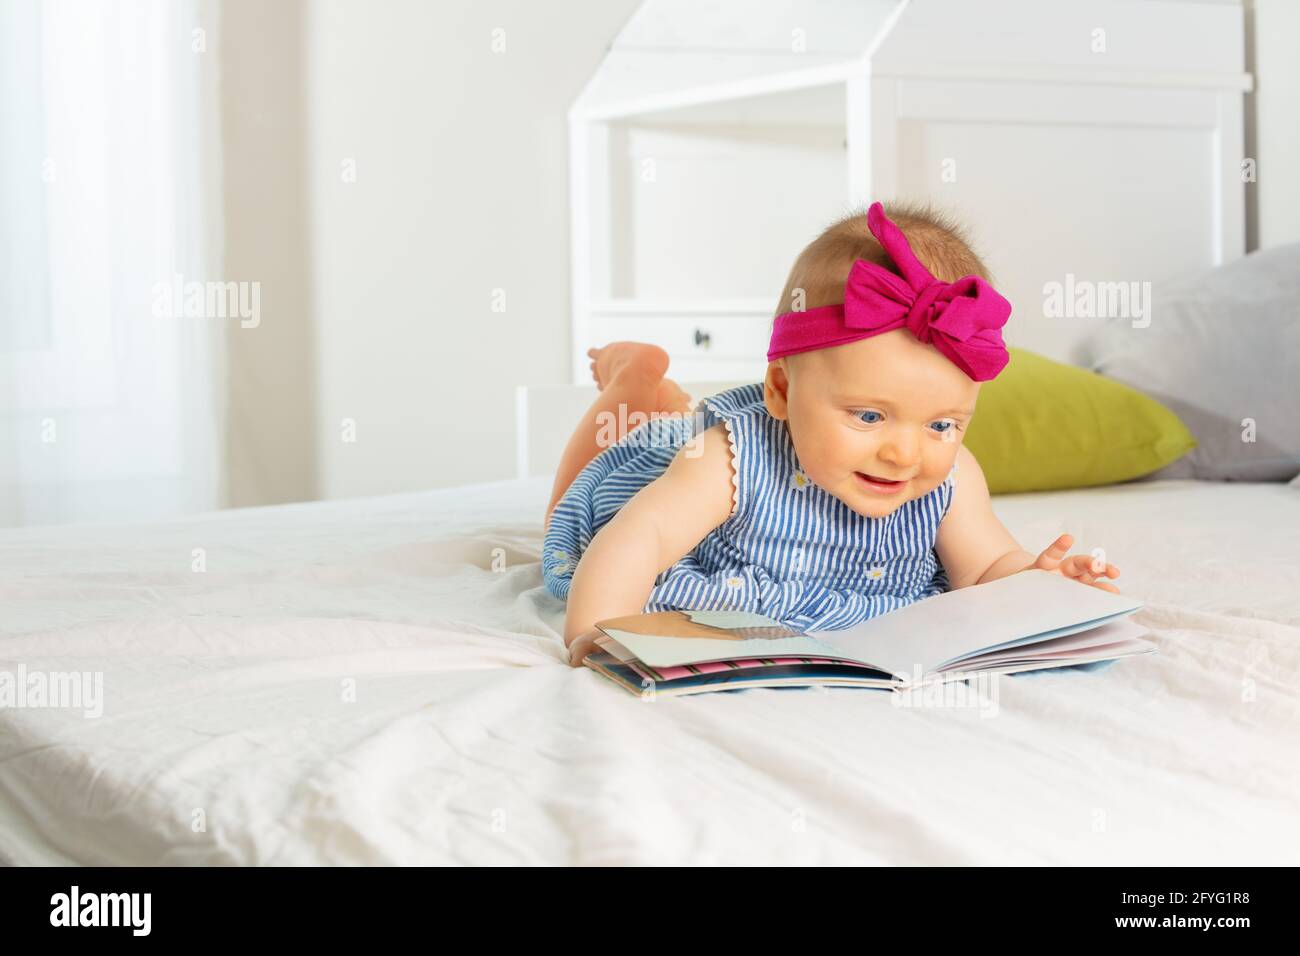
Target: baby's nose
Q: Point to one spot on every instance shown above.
(901, 454)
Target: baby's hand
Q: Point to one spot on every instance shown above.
(582, 645)
(1083, 568)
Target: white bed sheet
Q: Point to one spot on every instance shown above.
(226, 738)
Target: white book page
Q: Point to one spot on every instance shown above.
(928, 634)
(1129, 648)
(1109, 633)
(1108, 652)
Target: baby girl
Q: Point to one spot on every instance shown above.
(835, 490)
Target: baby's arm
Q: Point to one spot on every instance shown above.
(976, 548)
(661, 523)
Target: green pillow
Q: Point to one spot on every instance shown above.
(1042, 426)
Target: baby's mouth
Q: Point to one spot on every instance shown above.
(875, 483)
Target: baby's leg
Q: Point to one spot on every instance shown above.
(628, 374)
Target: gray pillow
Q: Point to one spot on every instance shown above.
(1222, 351)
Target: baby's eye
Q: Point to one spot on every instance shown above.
(943, 425)
(864, 416)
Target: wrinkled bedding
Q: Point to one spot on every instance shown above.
(382, 681)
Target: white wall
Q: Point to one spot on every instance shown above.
(461, 159)
(377, 293)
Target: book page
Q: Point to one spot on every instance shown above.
(1018, 609)
(660, 651)
(1111, 632)
(673, 638)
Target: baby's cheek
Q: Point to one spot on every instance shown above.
(827, 459)
(926, 484)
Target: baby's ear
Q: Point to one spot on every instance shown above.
(776, 385)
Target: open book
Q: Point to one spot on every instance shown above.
(1027, 621)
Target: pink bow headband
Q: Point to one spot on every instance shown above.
(962, 319)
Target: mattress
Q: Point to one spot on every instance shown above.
(382, 681)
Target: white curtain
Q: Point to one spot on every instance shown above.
(109, 185)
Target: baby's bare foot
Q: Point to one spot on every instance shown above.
(627, 358)
(671, 397)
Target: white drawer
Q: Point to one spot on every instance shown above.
(685, 336)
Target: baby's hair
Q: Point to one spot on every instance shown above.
(823, 266)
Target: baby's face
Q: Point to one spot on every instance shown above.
(886, 407)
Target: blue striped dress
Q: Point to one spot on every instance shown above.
(789, 550)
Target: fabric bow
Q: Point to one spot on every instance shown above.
(962, 319)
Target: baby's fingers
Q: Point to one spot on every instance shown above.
(1099, 568)
(1101, 583)
(1076, 566)
(582, 645)
(1109, 571)
(1087, 569)
(1051, 557)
